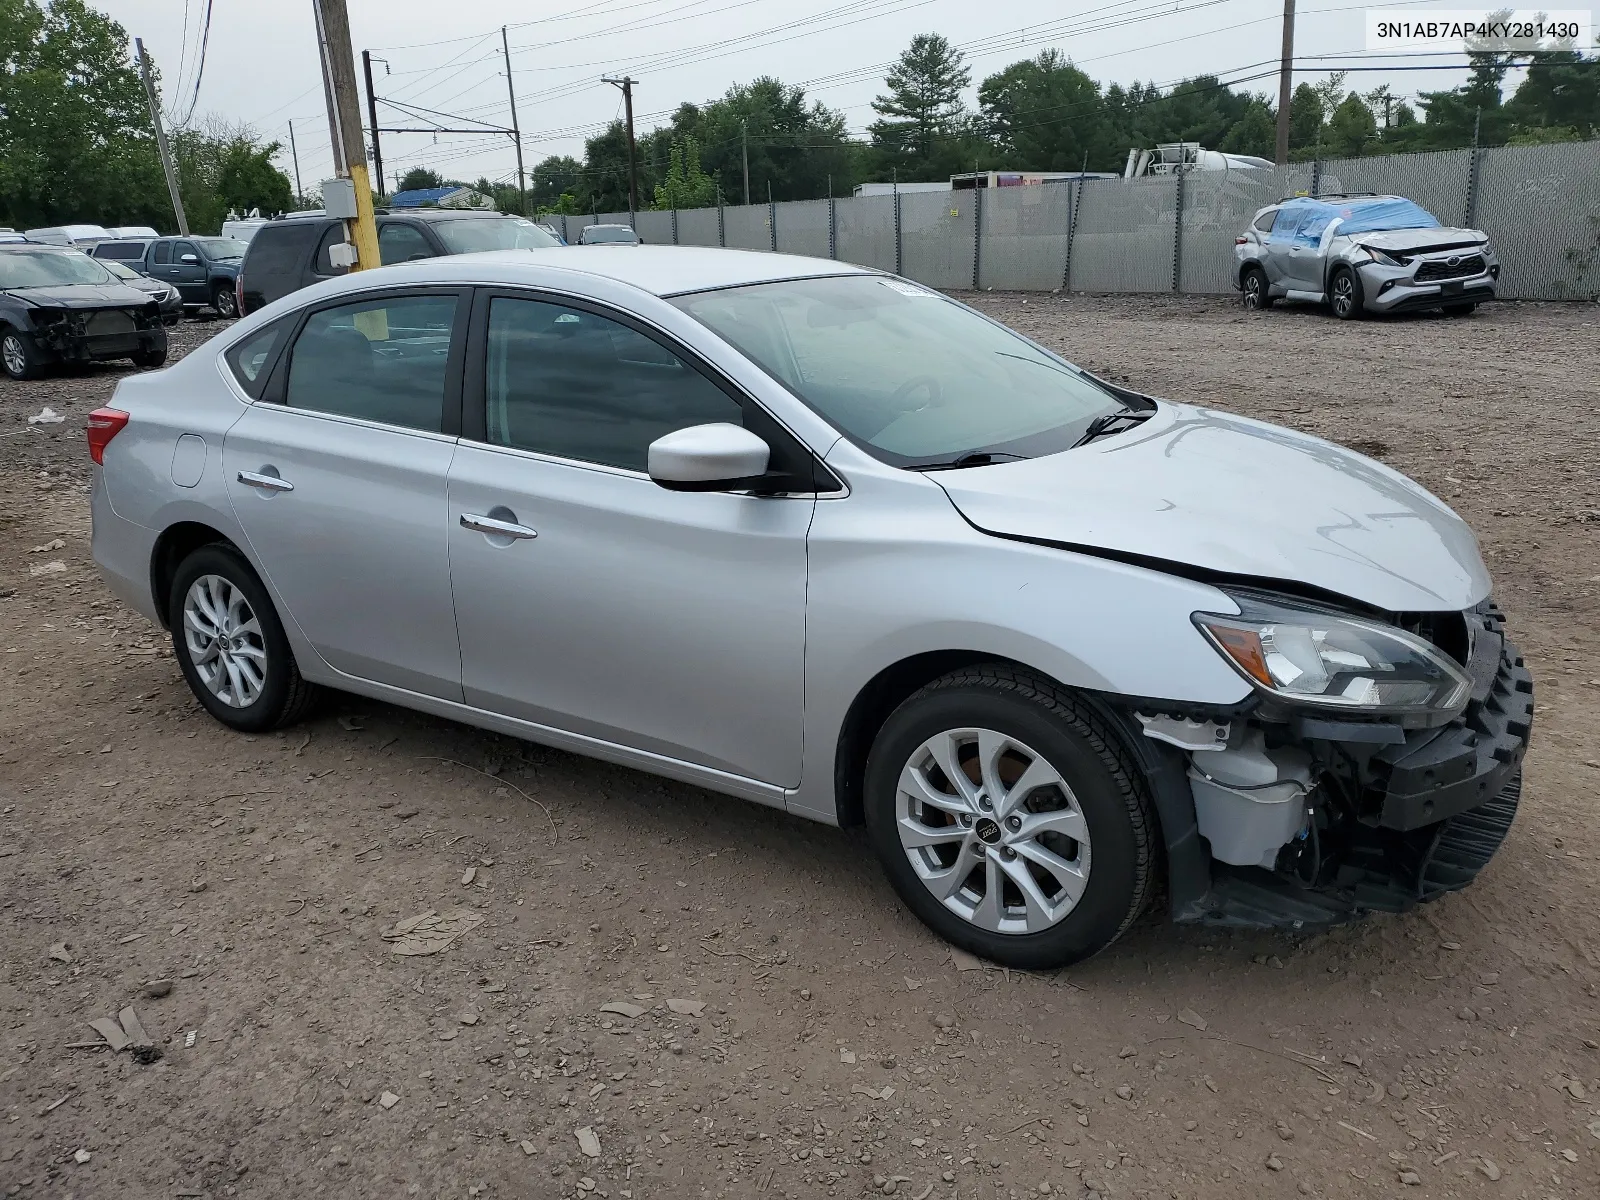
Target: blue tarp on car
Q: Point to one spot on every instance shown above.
(1303, 219)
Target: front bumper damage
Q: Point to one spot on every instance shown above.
(88, 335)
(1392, 817)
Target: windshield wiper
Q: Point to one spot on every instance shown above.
(972, 458)
(1107, 423)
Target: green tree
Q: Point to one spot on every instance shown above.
(1254, 133)
(685, 184)
(1560, 91)
(552, 178)
(1044, 114)
(922, 106)
(75, 136)
(1306, 114)
(221, 167)
(1351, 128)
(419, 179)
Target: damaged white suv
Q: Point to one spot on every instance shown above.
(824, 539)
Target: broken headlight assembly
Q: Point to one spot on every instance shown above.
(1313, 657)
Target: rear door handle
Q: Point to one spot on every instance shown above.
(267, 483)
(497, 528)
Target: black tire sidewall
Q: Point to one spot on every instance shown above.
(30, 355)
(269, 707)
(1265, 297)
(1114, 887)
(1357, 300)
(217, 302)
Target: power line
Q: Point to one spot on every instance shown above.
(200, 69)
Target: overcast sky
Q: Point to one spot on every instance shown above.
(260, 66)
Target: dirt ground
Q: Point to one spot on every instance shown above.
(839, 1050)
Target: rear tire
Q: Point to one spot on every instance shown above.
(1035, 879)
(1344, 295)
(1257, 291)
(19, 357)
(231, 646)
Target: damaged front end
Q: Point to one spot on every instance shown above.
(77, 334)
(1377, 766)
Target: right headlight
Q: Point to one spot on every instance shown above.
(1327, 660)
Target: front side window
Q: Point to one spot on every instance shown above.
(380, 360)
(332, 237)
(468, 235)
(221, 249)
(182, 248)
(576, 385)
(399, 242)
(162, 254)
(913, 378)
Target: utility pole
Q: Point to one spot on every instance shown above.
(344, 124)
(626, 84)
(1285, 82)
(372, 115)
(516, 131)
(745, 151)
(161, 139)
(294, 151)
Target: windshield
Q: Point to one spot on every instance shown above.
(215, 248)
(595, 234)
(914, 378)
(47, 268)
(468, 235)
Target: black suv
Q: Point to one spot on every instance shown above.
(290, 253)
(201, 268)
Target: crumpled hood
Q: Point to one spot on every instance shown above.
(1417, 240)
(83, 295)
(1228, 494)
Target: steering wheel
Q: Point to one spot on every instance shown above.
(934, 389)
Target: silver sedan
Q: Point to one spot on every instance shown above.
(825, 539)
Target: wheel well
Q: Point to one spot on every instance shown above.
(884, 693)
(1245, 266)
(173, 546)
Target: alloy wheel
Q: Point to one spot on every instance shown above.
(226, 303)
(993, 831)
(224, 641)
(1344, 294)
(1252, 291)
(16, 358)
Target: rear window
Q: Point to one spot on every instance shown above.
(1265, 220)
(281, 249)
(126, 251)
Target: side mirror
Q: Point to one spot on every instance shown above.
(189, 258)
(708, 458)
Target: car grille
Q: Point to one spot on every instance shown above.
(112, 321)
(1471, 264)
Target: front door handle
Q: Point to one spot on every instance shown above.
(497, 528)
(267, 483)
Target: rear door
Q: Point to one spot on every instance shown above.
(338, 477)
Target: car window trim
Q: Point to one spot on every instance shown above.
(276, 390)
(257, 389)
(474, 395)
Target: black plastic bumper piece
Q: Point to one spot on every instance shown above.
(1439, 773)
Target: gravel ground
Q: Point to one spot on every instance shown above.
(778, 1025)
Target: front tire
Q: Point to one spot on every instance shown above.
(19, 358)
(1344, 294)
(1009, 819)
(225, 302)
(149, 360)
(1257, 291)
(230, 644)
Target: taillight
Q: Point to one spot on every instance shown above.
(103, 425)
(238, 293)
(1241, 240)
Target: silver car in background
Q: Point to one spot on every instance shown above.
(1362, 253)
(822, 538)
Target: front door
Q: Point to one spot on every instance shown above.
(340, 486)
(590, 599)
(189, 274)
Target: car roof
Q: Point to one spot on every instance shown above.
(659, 270)
(48, 247)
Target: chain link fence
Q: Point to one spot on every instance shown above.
(1540, 206)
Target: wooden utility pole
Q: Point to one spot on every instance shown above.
(294, 152)
(1285, 82)
(516, 131)
(626, 84)
(161, 138)
(344, 125)
(372, 116)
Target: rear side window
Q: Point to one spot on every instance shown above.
(251, 359)
(1265, 220)
(379, 360)
(125, 251)
(162, 253)
(281, 249)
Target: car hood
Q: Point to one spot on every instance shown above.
(1419, 240)
(1223, 493)
(83, 295)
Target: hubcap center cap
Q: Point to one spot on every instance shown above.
(988, 831)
